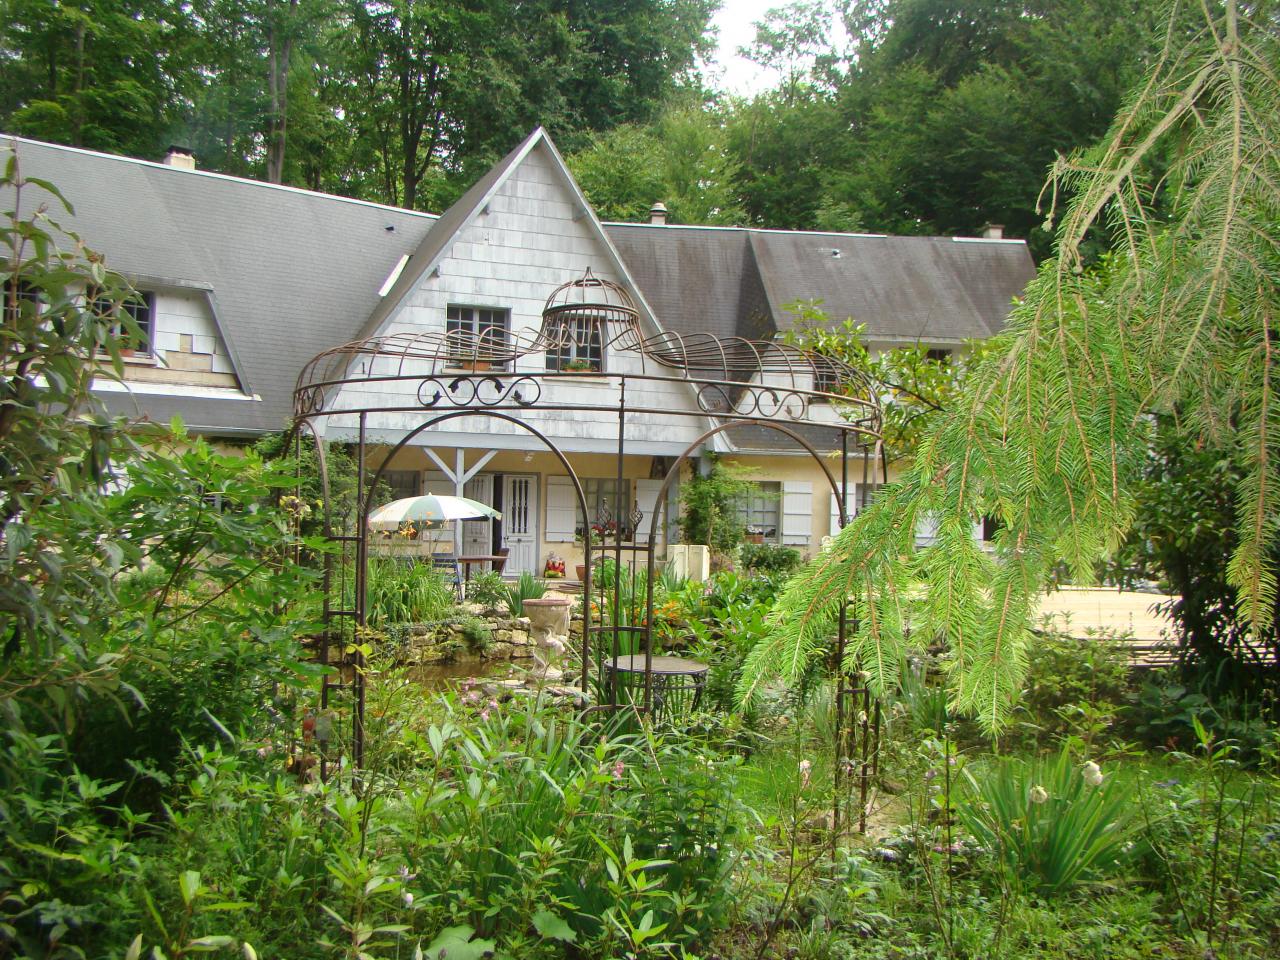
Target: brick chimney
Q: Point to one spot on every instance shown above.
(993, 231)
(658, 213)
(180, 157)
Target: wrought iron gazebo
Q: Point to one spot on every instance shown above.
(422, 381)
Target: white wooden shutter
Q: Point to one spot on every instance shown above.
(835, 512)
(797, 512)
(562, 510)
(647, 501)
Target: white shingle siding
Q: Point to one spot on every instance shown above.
(513, 257)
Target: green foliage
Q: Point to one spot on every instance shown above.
(1186, 520)
(680, 159)
(768, 558)
(709, 506)
(1046, 823)
(1074, 687)
(477, 634)
(1051, 431)
(528, 587)
(398, 592)
(915, 386)
(487, 589)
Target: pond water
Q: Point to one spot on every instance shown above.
(439, 676)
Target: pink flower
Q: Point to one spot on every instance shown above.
(618, 768)
(484, 714)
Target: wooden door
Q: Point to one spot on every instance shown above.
(520, 522)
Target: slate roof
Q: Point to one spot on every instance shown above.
(291, 272)
(738, 281)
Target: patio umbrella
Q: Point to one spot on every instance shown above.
(431, 508)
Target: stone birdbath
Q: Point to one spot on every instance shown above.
(548, 617)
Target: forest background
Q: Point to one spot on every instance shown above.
(924, 117)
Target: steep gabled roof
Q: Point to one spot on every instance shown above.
(289, 272)
(435, 245)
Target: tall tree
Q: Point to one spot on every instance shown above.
(103, 74)
(1052, 431)
(681, 160)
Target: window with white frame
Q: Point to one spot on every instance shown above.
(17, 295)
(609, 506)
(578, 345)
(134, 338)
(477, 336)
(760, 509)
(402, 483)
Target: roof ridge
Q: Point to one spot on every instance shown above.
(213, 174)
(810, 233)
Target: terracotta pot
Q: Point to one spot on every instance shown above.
(581, 571)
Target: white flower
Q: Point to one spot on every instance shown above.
(805, 767)
(1038, 794)
(1093, 775)
(408, 899)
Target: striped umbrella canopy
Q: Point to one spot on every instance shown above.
(431, 508)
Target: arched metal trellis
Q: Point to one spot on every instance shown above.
(410, 385)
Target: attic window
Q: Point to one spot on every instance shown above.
(577, 344)
(477, 337)
(939, 354)
(581, 317)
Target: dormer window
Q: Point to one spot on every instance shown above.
(136, 338)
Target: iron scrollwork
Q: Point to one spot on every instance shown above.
(753, 400)
(487, 391)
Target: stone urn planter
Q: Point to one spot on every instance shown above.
(548, 617)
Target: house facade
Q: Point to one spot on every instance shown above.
(242, 283)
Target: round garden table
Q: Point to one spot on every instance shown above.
(678, 683)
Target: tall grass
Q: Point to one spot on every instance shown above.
(397, 592)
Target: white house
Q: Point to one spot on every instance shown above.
(243, 282)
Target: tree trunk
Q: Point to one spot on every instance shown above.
(280, 48)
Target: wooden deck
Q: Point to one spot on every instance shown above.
(1128, 616)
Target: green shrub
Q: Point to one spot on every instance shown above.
(487, 589)
(397, 592)
(1045, 822)
(477, 634)
(1074, 686)
(528, 587)
(769, 558)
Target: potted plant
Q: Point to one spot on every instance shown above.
(578, 365)
(755, 533)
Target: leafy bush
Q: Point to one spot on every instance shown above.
(1074, 686)
(1052, 824)
(528, 587)
(487, 589)
(397, 592)
(769, 558)
(710, 507)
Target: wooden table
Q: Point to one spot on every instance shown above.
(477, 558)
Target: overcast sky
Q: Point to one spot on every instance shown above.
(736, 22)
